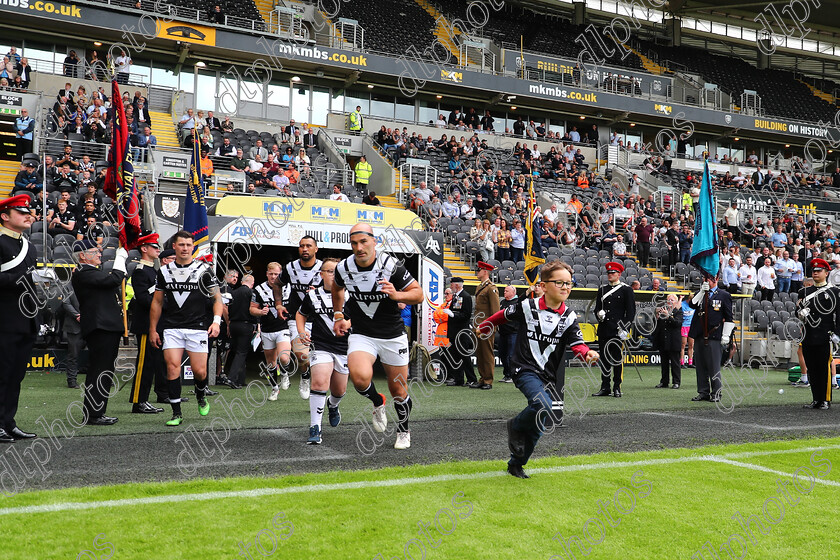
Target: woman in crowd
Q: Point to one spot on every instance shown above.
(503, 239)
(517, 241)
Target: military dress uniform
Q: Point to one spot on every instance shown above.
(486, 304)
(819, 309)
(150, 365)
(101, 311)
(615, 309)
(19, 324)
(711, 328)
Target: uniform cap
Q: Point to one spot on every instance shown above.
(614, 267)
(818, 264)
(150, 239)
(18, 202)
(84, 245)
(456, 280)
(486, 266)
(167, 253)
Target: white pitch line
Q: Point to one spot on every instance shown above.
(765, 469)
(259, 492)
(748, 425)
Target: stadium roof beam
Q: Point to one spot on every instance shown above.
(618, 118)
(183, 53)
(683, 10)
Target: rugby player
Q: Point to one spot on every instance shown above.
(299, 277)
(375, 283)
(180, 305)
(328, 355)
(274, 329)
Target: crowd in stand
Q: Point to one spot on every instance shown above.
(16, 73)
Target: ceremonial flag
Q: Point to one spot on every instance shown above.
(195, 212)
(704, 249)
(120, 184)
(533, 249)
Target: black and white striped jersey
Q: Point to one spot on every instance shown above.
(544, 335)
(371, 312)
(186, 292)
(296, 281)
(263, 296)
(317, 306)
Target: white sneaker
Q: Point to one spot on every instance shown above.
(380, 421)
(284, 381)
(403, 440)
(304, 388)
(274, 392)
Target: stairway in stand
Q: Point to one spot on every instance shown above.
(164, 130)
(8, 172)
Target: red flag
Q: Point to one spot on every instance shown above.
(120, 183)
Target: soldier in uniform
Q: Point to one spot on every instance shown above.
(150, 365)
(615, 309)
(486, 304)
(18, 327)
(101, 313)
(819, 310)
(711, 327)
(460, 316)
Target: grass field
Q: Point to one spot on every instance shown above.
(672, 501)
(46, 394)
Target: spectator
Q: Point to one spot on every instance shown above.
(226, 148)
(337, 195)
(122, 65)
(434, 209)
(90, 230)
(206, 165)
(517, 241)
(258, 150)
(62, 220)
(766, 280)
(227, 125)
(785, 267)
(747, 275)
(24, 72)
(27, 178)
(419, 196)
(619, 248)
(642, 234)
(216, 15)
(371, 199)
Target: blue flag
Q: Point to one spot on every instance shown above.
(195, 212)
(704, 249)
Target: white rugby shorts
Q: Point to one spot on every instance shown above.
(392, 351)
(338, 361)
(192, 340)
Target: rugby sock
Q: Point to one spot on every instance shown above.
(174, 386)
(272, 375)
(403, 410)
(316, 406)
(200, 386)
(370, 393)
(305, 374)
(335, 400)
(804, 378)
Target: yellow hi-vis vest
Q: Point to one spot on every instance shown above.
(363, 172)
(355, 121)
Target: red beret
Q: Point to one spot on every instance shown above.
(19, 202)
(486, 266)
(820, 263)
(208, 258)
(151, 239)
(614, 267)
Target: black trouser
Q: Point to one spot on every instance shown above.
(673, 255)
(15, 349)
(103, 348)
(612, 360)
(241, 333)
(460, 364)
(644, 253)
(670, 364)
(75, 343)
(707, 364)
(795, 286)
(818, 361)
(767, 293)
(150, 366)
(24, 146)
(507, 344)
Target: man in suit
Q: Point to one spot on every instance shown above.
(258, 150)
(141, 115)
(67, 92)
(75, 342)
(146, 140)
(290, 131)
(486, 304)
(758, 178)
(212, 122)
(19, 308)
(102, 324)
(150, 365)
(711, 328)
(310, 141)
(667, 338)
(460, 318)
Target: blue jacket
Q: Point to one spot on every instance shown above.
(24, 178)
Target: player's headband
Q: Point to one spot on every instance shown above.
(364, 232)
